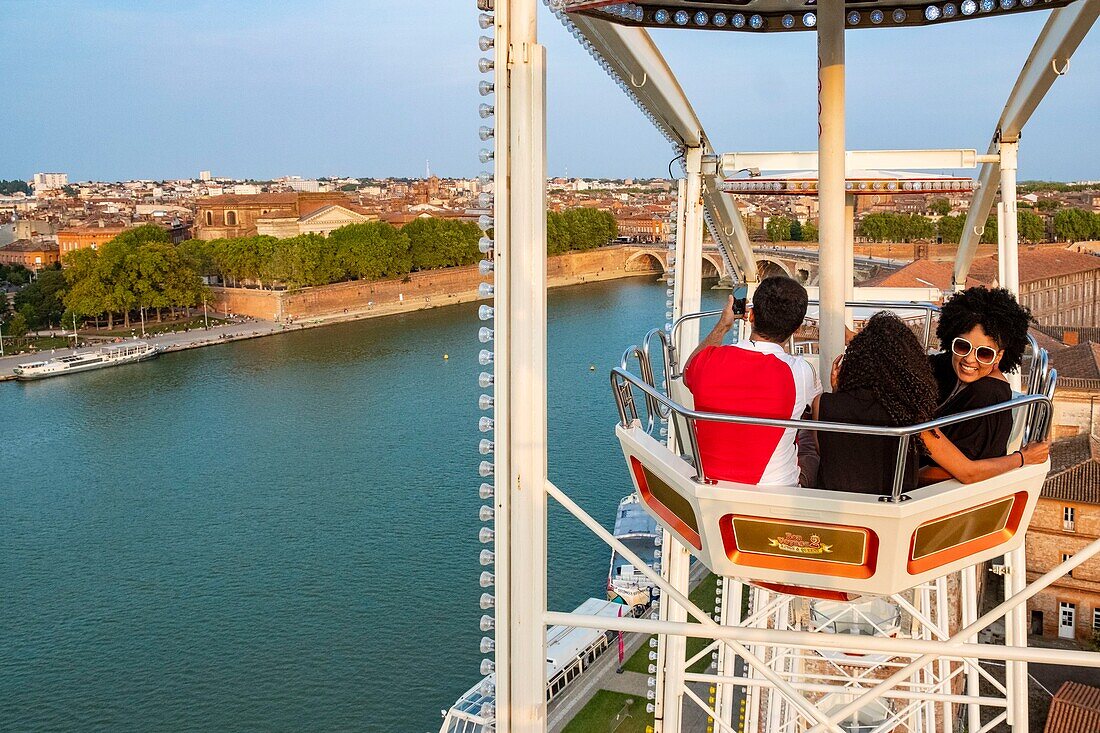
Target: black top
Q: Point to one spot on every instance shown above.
(982, 437)
(861, 463)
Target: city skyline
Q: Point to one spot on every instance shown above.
(339, 89)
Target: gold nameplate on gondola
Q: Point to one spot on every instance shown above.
(955, 536)
(812, 547)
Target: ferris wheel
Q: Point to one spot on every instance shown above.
(836, 611)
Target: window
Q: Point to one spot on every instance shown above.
(231, 218)
(1068, 516)
(1096, 619)
(209, 218)
(1066, 556)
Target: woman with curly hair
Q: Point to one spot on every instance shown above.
(984, 334)
(884, 379)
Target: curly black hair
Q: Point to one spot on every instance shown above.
(887, 358)
(998, 313)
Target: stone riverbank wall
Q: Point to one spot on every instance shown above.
(419, 290)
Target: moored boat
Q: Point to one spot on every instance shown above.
(126, 352)
(636, 529)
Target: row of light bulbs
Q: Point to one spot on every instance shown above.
(486, 423)
(756, 21)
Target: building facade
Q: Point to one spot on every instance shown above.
(32, 255)
(92, 235)
(1061, 287)
(229, 216)
(1067, 518)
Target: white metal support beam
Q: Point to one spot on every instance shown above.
(1064, 30)
(831, 250)
(733, 163)
(633, 57)
(522, 275)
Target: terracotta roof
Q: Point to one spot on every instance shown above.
(1080, 482)
(922, 273)
(1075, 709)
(1077, 362)
(26, 245)
(1044, 340)
(233, 199)
(1038, 264)
(1083, 333)
(1067, 453)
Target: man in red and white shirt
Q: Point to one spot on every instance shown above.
(754, 377)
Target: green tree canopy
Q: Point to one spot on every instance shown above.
(942, 207)
(778, 229)
(1075, 225)
(1030, 227)
(43, 299)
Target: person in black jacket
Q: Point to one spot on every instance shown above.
(884, 379)
(983, 332)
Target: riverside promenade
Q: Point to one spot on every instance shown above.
(443, 287)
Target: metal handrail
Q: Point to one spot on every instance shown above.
(927, 308)
(623, 382)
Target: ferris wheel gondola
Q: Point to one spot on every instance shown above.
(815, 542)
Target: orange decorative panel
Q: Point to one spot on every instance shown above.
(958, 535)
(667, 503)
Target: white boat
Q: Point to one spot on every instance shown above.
(570, 651)
(127, 352)
(636, 529)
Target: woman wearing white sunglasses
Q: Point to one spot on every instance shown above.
(984, 334)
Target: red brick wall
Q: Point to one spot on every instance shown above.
(422, 289)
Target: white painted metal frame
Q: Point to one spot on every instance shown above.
(520, 387)
(633, 59)
(1064, 30)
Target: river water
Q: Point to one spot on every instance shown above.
(280, 534)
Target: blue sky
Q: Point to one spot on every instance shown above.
(118, 89)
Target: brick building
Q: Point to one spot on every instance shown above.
(1060, 287)
(646, 229)
(231, 215)
(91, 235)
(1067, 518)
(32, 255)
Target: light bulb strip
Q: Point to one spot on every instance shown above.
(486, 379)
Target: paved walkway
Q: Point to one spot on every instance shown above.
(603, 675)
(169, 341)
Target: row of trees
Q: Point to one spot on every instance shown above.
(579, 229)
(7, 188)
(1070, 225)
(782, 229)
(139, 269)
(1075, 225)
(375, 250)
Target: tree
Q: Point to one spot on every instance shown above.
(949, 228)
(372, 250)
(941, 207)
(1029, 226)
(43, 299)
(7, 188)
(1075, 225)
(17, 326)
(809, 232)
(778, 229)
(796, 230)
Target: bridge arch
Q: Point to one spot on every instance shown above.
(768, 268)
(645, 262)
(712, 269)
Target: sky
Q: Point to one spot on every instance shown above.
(123, 89)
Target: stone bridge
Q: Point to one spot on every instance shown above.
(798, 263)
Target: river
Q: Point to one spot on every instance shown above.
(281, 534)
